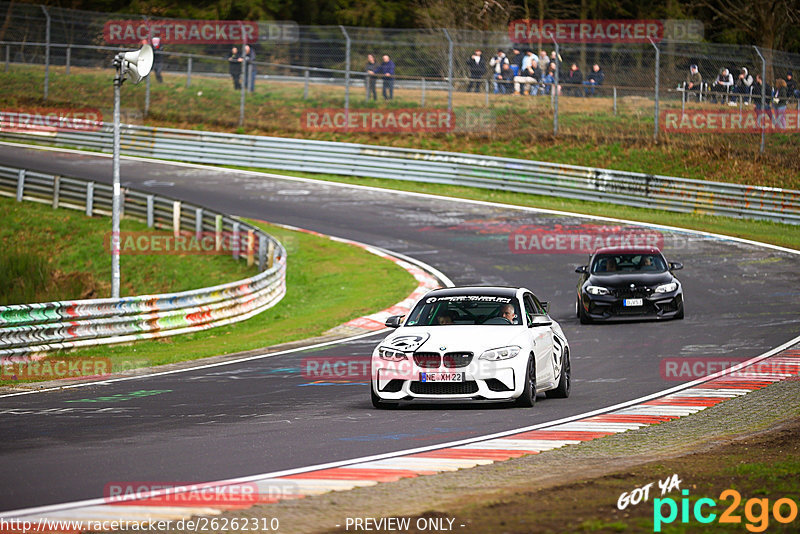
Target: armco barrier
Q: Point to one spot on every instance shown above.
(508, 174)
(33, 328)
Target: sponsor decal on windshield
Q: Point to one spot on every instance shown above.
(468, 298)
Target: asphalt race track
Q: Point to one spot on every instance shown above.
(263, 415)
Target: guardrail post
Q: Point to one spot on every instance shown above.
(67, 60)
(176, 217)
(8, 56)
(151, 201)
(270, 254)
(198, 223)
(262, 253)
(46, 53)
(89, 199)
(235, 242)
(189, 72)
(56, 190)
(251, 245)
(486, 85)
(218, 233)
(422, 104)
(20, 184)
(306, 76)
(615, 100)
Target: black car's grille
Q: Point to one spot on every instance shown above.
(444, 388)
(451, 360)
(428, 360)
(457, 359)
(632, 292)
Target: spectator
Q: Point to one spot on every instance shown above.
(387, 71)
(549, 79)
(477, 71)
(497, 63)
(370, 70)
(574, 78)
(527, 58)
(249, 68)
(555, 60)
(544, 61)
(760, 106)
(516, 61)
(235, 67)
(593, 80)
(694, 80)
(528, 76)
(791, 86)
(158, 58)
(779, 103)
(722, 84)
(505, 79)
(743, 83)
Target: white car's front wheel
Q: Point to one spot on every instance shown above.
(528, 396)
(380, 404)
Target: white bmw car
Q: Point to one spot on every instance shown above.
(472, 343)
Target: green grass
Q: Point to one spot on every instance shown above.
(785, 235)
(60, 255)
(328, 283)
(589, 132)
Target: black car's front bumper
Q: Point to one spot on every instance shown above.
(612, 308)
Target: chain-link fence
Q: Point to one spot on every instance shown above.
(605, 91)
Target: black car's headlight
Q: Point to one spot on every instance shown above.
(666, 288)
(391, 355)
(598, 290)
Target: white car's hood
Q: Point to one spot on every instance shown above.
(456, 338)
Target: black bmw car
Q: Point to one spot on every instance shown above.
(628, 284)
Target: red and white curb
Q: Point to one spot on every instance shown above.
(758, 373)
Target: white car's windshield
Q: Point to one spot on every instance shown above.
(465, 310)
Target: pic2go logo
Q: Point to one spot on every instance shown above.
(756, 511)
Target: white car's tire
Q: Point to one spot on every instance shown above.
(528, 396)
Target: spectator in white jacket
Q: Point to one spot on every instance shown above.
(722, 84)
(496, 63)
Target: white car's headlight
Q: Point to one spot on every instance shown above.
(390, 354)
(597, 290)
(502, 353)
(667, 288)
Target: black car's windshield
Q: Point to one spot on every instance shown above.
(465, 310)
(628, 263)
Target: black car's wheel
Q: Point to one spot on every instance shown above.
(582, 315)
(564, 381)
(380, 404)
(679, 315)
(528, 397)
(578, 308)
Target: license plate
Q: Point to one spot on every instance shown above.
(441, 377)
(633, 302)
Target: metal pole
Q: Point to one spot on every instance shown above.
(422, 104)
(658, 62)
(189, 72)
(8, 56)
(244, 78)
(69, 57)
(486, 85)
(615, 100)
(115, 238)
(305, 85)
(46, 54)
(346, 75)
(147, 96)
(763, 98)
(555, 88)
(449, 70)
